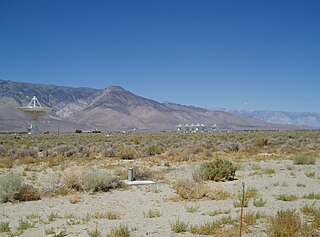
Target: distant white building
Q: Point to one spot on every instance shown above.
(197, 127)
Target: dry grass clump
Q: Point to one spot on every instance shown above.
(120, 231)
(179, 226)
(312, 196)
(226, 226)
(189, 189)
(313, 214)
(304, 160)
(218, 170)
(286, 223)
(152, 213)
(5, 227)
(287, 197)
(250, 193)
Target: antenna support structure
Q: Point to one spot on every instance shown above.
(34, 110)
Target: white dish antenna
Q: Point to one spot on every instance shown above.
(34, 110)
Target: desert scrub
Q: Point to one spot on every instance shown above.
(79, 179)
(261, 142)
(287, 197)
(94, 233)
(120, 231)
(179, 226)
(154, 150)
(286, 223)
(218, 170)
(4, 226)
(10, 186)
(304, 160)
(24, 224)
(188, 189)
(192, 208)
(216, 228)
(99, 180)
(152, 213)
(312, 196)
(259, 202)
(127, 153)
(230, 147)
(310, 174)
(28, 193)
(249, 194)
(107, 215)
(142, 173)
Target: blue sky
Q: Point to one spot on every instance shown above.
(258, 54)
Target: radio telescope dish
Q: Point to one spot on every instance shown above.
(34, 110)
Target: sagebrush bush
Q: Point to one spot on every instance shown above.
(218, 170)
(230, 147)
(261, 142)
(10, 186)
(99, 180)
(127, 153)
(89, 180)
(154, 150)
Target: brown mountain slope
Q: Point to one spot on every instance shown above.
(110, 109)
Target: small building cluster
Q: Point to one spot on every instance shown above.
(196, 128)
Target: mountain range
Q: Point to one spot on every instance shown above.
(109, 109)
(280, 117)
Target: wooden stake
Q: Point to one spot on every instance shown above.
(242, 204)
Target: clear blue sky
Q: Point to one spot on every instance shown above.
(258, 54)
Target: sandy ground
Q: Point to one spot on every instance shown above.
(131, 204)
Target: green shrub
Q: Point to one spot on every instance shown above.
(10, 186)
(218, 170)
(261, 142)
(304, 160)
(153, 150)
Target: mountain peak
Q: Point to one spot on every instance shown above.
(114, 88)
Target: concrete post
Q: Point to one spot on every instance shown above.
(130, 174)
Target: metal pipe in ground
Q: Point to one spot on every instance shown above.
(130, 174)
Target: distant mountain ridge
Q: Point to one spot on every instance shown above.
(112, 108)
(280, 117)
